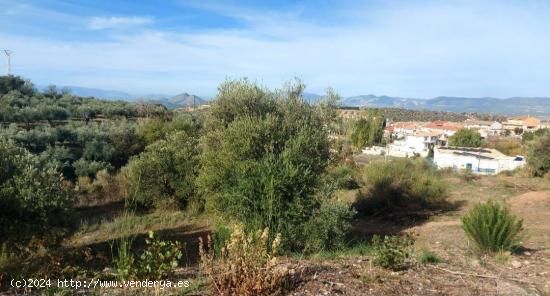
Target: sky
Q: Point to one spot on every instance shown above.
(414, 49)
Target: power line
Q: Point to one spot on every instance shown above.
(8, 53)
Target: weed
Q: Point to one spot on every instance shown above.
(393, 251)
(427, 256)
(247, 265)
(159, 259)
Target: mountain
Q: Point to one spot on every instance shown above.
(510, 106)
(177, 101)
(94, 92)
(171, 102)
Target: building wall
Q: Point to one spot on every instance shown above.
(478, 165)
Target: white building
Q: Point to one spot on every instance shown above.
(418, 144)
(485, 128)
(483, 161)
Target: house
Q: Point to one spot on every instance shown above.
(523, 123)
(485, 128)
(400, 129)
(483, 161)
(448, 128)
(420, 143)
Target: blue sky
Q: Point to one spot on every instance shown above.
(401, 48)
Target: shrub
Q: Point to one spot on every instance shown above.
(247, 265)
(492, 227)
(538, 155)
(344, 177)
(159, 259)
(393, 251)
(164, 173)
(263, 157)
(328, 227)
(401, 182)
(33, 200)
(220, 238)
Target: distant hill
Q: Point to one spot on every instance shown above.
(510, 106)
(94, 92)
(171, 102)
(177, 101)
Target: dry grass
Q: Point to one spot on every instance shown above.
(247, 265)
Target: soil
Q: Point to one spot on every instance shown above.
(462, 271)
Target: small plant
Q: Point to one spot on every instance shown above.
(492, 227)
(160, 258)
(247, 265)
(427, 256)
(393, 251)
(124, 260)
(328, 227)
(220, 237)
(468, 175)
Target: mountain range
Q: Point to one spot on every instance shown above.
(537, 106)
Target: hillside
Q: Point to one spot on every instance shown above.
(511, 106)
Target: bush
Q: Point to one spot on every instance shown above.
(164, 173)
(220, 238)
(401, 182)
(492, 227)
(538, 155)
(344, 177)
(328, 227)
(33, 200)
(159, 259)
(263, 158)
(393, 251)
(247, 265)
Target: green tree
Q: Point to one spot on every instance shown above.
(368, 130)
(465, 138)
(33, 200)
(164, 173)
(264, 153)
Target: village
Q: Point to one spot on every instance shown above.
(430, 140)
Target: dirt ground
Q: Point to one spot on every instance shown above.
(462, 271)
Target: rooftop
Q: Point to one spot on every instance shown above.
(485, 153)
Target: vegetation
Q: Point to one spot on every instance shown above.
(427, 256)
(247, 265)
(492, 227)
(399, 183)
(328, 227)
(164, 173)
(33, 200)
(263, 158)
(393, 251)
(466, 138)
(159, 259)
(368, 130)
(538, 155)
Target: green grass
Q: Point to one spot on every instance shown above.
(127, 224)
(427, 256)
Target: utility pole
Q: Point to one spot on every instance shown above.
(8, 53)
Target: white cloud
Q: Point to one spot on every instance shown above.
(464, 49)
(101, 23)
